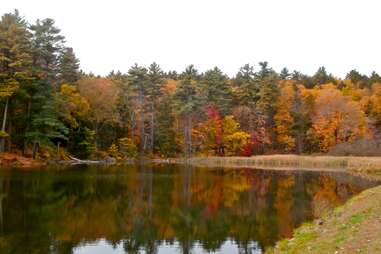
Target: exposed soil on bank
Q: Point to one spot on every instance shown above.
(12, 160)
(352, 228)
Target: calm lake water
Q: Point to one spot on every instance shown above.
(162, 209)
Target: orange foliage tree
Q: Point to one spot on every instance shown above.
(102, 95)
(284, 120)
(336, 118)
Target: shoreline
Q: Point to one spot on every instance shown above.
(288, 162)
(354, 227)
(285, 162)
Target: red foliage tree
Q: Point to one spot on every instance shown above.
(214, 116)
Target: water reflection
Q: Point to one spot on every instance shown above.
(101, 246)
(165, 209)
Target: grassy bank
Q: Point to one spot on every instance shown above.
(362, 164)
(352, 228)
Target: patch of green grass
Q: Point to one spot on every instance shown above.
(358, 218)
(303, 235)
(349, 228)
(340, 238)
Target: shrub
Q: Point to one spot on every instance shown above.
(360, 147)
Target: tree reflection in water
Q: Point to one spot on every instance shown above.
(161, 209)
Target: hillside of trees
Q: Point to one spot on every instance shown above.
(48, 104)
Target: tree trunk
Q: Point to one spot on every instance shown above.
(29, 109)
(4, 124)
(58, 148)
(299, 135)
(36, 147)
(152, 129)
(299, 142)
(141, 122)
(1, 208)
(96, 136)
(9, 140)
(188, 135)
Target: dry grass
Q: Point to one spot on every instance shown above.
(362, 164)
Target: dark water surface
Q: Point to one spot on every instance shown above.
(162, 209)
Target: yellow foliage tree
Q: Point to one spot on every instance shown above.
(375, 103)
(225, 134)
(113, 151)
(127, 147)
(75, 106)
(233, 139)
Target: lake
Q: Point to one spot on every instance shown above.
(162, 209)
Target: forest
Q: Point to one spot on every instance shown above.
(50, 108)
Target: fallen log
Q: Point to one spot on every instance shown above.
(76, 161)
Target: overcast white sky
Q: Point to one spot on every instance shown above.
(299, 34)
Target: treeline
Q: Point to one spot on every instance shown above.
(48, 104)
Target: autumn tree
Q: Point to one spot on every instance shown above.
(234, 139)
(336, 119)
(284, 120)
(223, 134)
(47, 101)
(375, 103)
(73, 105)
(213, 130)
(102, 96)
(268, 95)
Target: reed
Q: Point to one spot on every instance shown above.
(368, 164)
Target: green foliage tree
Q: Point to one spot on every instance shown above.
(188, 103)
(268, 94)
(68, 67)
(247, 87)
(46, 128)
(48, 45)
(216, 90)
(155, 92)
(15, 59)
(137, 78)
(165, 139)
(322, 77)
(84, 143)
